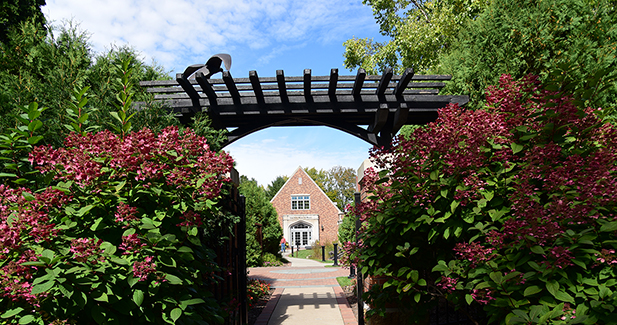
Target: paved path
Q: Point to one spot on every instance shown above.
(305, 293)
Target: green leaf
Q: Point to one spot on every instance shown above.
(531, 291)
(97, 224)
(417, 297)
(516, 148)
(12, 312)
(453, 205)
(39, 288)
(27, 319)
(537, 249)
(175, 314)
(497, 277)
(28, 196)
(35, 139)
(119, 260)
(138, 297)
(173, 279)
(564, 296)
(468, 299)
(195, 301)
(84, 210)
(609, 226)
(552, 287)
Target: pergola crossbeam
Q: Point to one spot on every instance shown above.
(377, 105)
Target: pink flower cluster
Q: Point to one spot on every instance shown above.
(474, 252)
(15, 279)
(448, 284)
(131, 244)
(190, 219)
(178, 159)
(483, 296)
(86, 249)
(126, 214)
(141, 270)
(606, 256)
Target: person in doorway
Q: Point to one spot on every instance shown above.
(283, 244)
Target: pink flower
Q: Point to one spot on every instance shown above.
(141, 270)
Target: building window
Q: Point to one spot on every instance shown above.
(300, 202)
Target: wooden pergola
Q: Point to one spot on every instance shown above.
(370, 107)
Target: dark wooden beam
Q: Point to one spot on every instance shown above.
(402, 84)
(381, 117)
(400, 117)
(333, 82)
(259, 94)
(206, 87)
(231, 87)
(190, 90)
(280, 80)
(384, 82)
(358, 82)
(307, 85)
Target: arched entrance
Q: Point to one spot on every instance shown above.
(301, 234)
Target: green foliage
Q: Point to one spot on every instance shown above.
(112, 240)
(540, 37)
(505, 209)
(16, 144)
(37, 67)
(259, 213)
(339, 184)
(202, 125)
(347, 229)
(420, 31)
(275, 186)
(14, 12)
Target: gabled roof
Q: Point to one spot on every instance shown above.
(299, 169)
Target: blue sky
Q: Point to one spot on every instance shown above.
(259, 35)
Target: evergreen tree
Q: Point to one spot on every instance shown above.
(259, 211)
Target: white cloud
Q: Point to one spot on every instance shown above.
(173, 30)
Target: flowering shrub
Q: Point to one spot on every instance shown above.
(121, 236)
(512, 208)
(256, 289)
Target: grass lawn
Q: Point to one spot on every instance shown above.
(344, 281)
(305, 253)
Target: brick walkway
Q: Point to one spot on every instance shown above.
(306, 287)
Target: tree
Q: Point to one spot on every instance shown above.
(275, 186)
(35, 66)
(15, 12)
(259, 211)
(420, 31)
(339, 183)
(554, 39)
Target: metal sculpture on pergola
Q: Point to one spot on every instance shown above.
(372, 108)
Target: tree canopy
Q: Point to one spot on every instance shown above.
(14, 12)
(419, 30)
(570, 43)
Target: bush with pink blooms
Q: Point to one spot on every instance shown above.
(120, 236)
(512, 208)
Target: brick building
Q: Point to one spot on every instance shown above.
(306, 214)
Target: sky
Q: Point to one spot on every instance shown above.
(265, 36)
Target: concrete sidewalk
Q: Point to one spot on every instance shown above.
(305, 293)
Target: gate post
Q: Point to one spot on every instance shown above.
(244, 313)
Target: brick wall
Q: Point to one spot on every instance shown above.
(320, 205)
